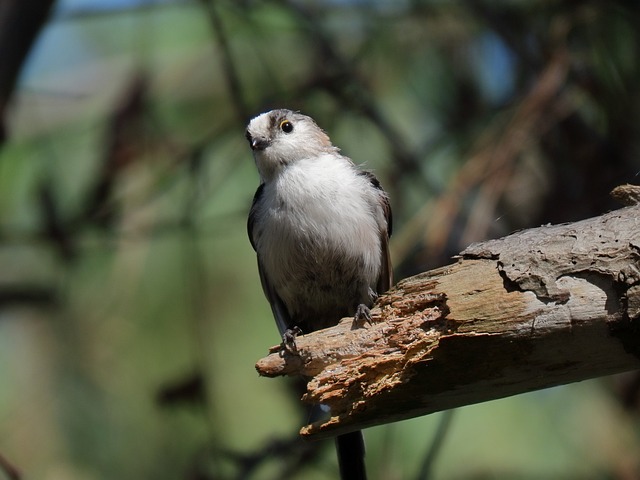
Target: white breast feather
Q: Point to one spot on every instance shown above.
(325, 199)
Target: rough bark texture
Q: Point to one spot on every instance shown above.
(539, 308)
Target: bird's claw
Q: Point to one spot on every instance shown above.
(362, 317)
(288, 344)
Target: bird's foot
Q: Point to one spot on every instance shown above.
(362, 317)
(288, 344)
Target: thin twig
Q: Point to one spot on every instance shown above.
(436, 445)
(344, 82)
(230, 72)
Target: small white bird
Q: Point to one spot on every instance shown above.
(319, 224)
(320, 227)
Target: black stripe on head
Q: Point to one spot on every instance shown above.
(277, 117)
(273, 119)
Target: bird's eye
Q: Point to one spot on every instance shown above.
(286, 126)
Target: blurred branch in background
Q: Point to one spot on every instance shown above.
(33, 295)
(489, 170)
(9, 470)
(228, 62)
(20, 25)
(125, 181)
(340, 78)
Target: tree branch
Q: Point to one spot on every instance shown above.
(539, 308)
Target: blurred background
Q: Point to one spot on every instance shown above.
(131, 312)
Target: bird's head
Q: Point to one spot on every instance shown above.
(282, 137)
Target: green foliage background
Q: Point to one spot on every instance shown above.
(130, 321)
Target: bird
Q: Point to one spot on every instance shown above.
(320, 226)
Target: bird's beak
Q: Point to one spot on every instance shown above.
(258, 143)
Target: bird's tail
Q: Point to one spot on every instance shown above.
(350, 449)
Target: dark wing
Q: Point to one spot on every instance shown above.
(279, 310)
(252, 214)
(386, 273)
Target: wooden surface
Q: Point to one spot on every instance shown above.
(539, 308)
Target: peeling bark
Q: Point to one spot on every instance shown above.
(542, 307)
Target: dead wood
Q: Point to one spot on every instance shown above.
(538, 308)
